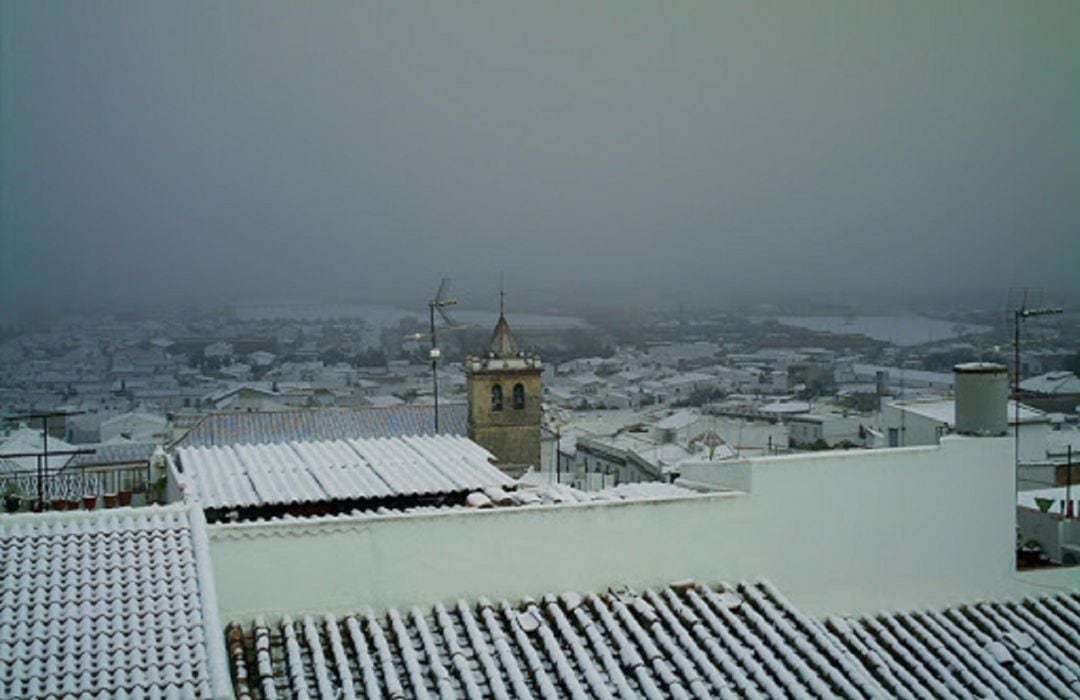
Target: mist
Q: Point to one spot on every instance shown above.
(631, 153)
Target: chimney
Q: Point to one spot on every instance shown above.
(982, 397)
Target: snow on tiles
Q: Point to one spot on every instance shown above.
(243, 475)
(117, 604)
(682, 641)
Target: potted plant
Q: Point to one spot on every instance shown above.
(110, 500)
(11, 498)
(124, 496)
(89, 501)
(155, 493)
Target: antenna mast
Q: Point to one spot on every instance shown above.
(438, 303)
(1018, 300)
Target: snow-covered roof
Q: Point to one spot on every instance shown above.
(115, 453)
(688, 378)
(331, 470)
(679, 419)
(903, 374)
(672, 642)
(324, 424)
(1053, 384)
(109, 604)
(384, 400)
(787, 407)
(944, 411)
(685, 640)
(27, 440)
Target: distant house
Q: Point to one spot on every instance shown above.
(910, 423)
(261, 358)
(831, 429)
(244, 398)
(137, 426)
(1053, 391)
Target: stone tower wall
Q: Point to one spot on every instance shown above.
(512, 435)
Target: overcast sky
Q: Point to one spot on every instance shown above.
(665, 150)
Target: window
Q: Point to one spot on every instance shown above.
(496, 397)
(519, 396)
(894, 437)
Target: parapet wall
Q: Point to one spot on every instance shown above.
(836, 532)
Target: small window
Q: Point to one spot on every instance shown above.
(496, 397)
(519, 396)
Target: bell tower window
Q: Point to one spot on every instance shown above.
(519, 396)
(496, 398)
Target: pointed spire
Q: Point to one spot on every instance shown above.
(502, 340)
(502, 294)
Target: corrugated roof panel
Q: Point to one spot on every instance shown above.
(401, 467)
(460, 460)
(246, 475)
(342, 472)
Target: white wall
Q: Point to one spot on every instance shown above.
(917, 429)
(837, 532)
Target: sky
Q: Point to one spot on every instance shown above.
(620, 153)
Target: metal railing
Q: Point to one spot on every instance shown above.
(72, 484)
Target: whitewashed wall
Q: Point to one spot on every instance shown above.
(837, 532)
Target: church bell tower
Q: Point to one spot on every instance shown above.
(504, 401)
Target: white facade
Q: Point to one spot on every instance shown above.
(908, 424)
(853, 531)
(833, 429)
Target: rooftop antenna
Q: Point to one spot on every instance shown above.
(1025, 302)
(439, 303)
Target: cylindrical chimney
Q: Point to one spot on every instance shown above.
(982, 397)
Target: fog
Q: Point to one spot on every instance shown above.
(163, 153)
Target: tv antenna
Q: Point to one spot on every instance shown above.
(439, 303)
(1025, 303)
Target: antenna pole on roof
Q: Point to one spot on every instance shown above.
(1019, 299)
(439, 302)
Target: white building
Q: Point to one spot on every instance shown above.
(832, 429)
(137, 426)
(579, 598)
(909, 423)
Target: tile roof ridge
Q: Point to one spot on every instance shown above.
(216, 654)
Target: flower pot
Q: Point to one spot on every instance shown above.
(110, 500)
(89, 501)
(125, 497)
(12, 503)
(73, 504)
(59, 504)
